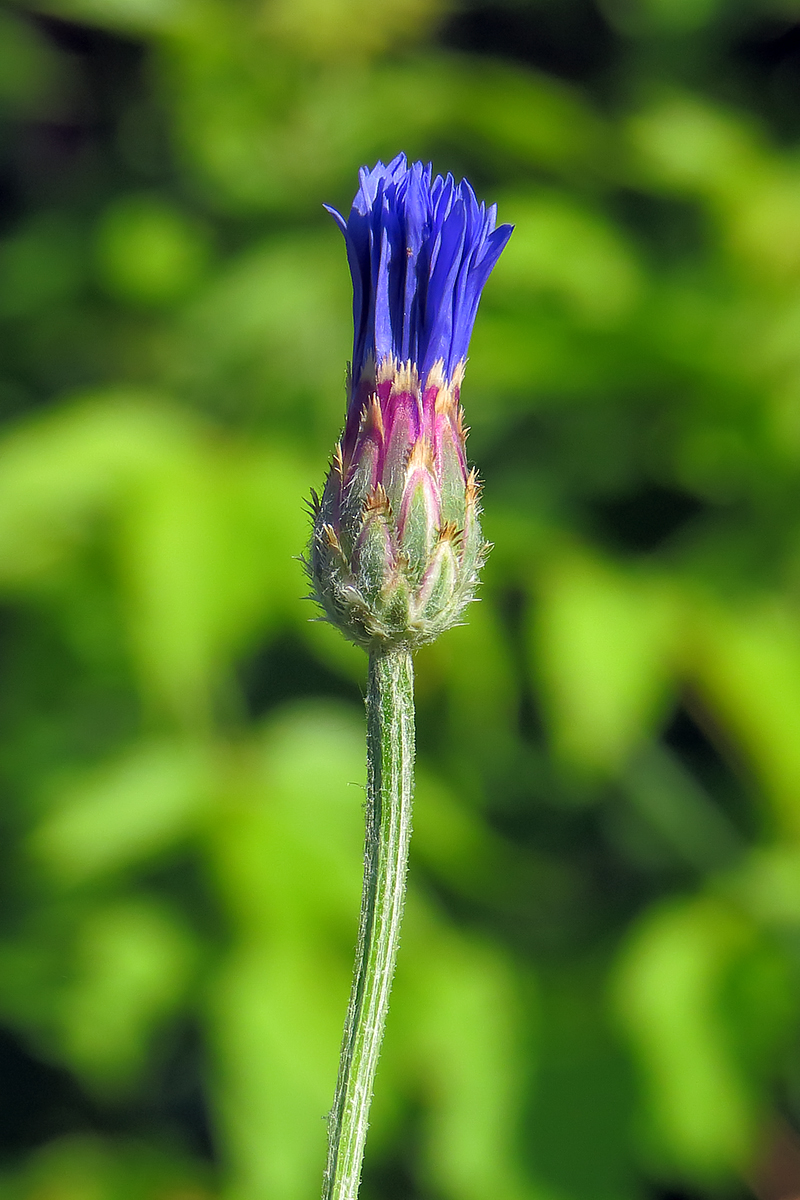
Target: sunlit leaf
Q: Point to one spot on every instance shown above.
(604, 644)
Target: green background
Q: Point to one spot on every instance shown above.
(599, 989)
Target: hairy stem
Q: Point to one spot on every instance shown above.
(390, 781)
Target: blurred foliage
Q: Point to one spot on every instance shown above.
(599, 989)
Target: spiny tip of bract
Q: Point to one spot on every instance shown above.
(312, 504)
(377, 503)
(450, 532)
(403, 376)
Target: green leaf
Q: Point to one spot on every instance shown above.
(603, 643)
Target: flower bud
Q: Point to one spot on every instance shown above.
(396, 545)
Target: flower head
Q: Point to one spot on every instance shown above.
(397, 545)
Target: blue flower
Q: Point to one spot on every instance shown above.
(420, 251)
(397, 546)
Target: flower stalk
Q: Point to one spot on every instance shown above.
(390, 781)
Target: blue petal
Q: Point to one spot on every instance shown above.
(420, 250)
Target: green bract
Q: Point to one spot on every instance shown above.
(397, 543)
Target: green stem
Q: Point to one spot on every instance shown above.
(390, 781)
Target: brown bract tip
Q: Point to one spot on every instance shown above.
(420, 456)
(403, 376)
(330, 535)
(372, 417)
(377, 502)
(337, 463)
(446, 403)
(461, 428)
(450, 532)
(436, 376)
(473, 487)
(367, 375)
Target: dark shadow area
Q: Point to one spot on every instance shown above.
(641, 522)
(37, 1101)
(703, 752)
(569, 39)
(284, 670)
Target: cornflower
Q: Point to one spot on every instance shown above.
(396, 545)
(397, 542)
